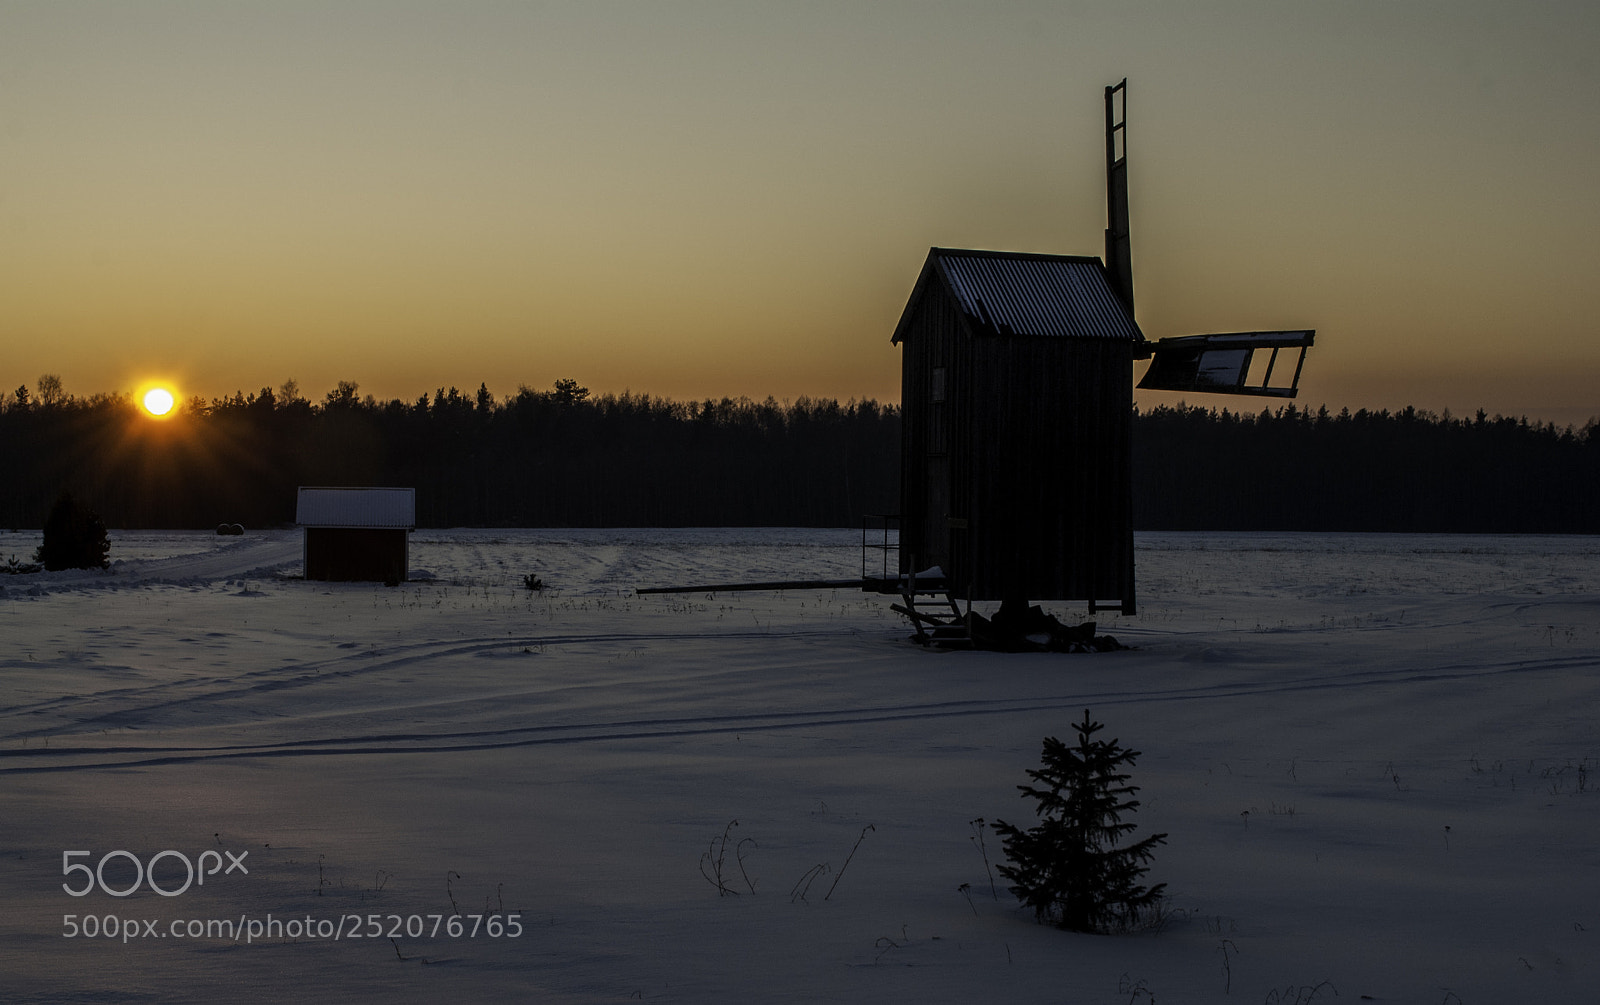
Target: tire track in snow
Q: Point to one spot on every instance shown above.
(356, 663)
(249, 558)
(691, 726)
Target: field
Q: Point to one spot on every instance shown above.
(1375, 757)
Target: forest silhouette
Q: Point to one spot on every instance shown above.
(565, 458)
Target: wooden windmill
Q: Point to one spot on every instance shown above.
(1017, 406)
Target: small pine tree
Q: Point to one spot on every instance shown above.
(1069, 868)
(74, 537)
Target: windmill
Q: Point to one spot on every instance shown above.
(1016, 397)
(1016, 431)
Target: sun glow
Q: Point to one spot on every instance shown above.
(158, 401)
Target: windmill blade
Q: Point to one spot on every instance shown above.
(1222, 364)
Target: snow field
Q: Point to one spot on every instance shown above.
(1373, 755)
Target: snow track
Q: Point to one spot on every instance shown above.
(126, 708)
(201, 558)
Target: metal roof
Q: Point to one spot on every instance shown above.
(1010, 293)
(356, 507)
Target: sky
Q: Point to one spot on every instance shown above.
(694, 199)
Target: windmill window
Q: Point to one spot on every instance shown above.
(1222, 368)
(936, 384)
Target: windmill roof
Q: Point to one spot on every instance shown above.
(1012, 293)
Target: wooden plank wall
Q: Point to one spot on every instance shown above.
(1051, 479)
(355, 554)
(1037, 465)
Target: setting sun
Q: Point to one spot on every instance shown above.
(158, 401)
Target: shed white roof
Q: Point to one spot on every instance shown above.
(356, 507)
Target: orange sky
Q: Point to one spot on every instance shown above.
(695, 199)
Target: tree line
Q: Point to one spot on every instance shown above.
(555, 458)
(563, 457)
(1410, 470)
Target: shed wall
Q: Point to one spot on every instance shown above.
(356, 554)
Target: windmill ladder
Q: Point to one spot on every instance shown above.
(934, 613)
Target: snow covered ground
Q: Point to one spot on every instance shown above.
(1375, 757)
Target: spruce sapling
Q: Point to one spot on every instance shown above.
(1069, 868)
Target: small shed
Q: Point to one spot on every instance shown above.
(1017, 411)
(357, 534)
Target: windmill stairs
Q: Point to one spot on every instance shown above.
(926, 596)
(934, 613)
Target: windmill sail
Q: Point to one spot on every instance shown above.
(1221, 364)
(1217, 364)
(1119, 256)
